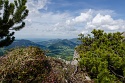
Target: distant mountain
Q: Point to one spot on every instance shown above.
(75, 40)
(63, 44)
(63, 48)
(24, 43)
(53, 41)
(49, 42)
(1, 51)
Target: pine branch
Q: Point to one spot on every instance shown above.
(12, 19)
(120, 76)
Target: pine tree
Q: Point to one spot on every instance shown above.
(11, 19)
(103, 56)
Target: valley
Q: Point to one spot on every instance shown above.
(59, 48)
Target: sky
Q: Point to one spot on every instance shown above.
(68, 18)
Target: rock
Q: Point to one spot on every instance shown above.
(75, 58)
(87, 78)
(74, 62)
(76, 55)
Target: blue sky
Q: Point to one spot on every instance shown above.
(68, 18)
(74, 5)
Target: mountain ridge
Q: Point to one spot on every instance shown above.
(24, 43)
(63, 48)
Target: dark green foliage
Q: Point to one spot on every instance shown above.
(103, 56)
(11, 19)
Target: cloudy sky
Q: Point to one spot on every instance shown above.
(68, 18)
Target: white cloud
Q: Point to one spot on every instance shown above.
(92, 19)
(106, 22)
(39, 25)
(36, 4)
(83, 17)
(102, 19)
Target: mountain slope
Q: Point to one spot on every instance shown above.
(75, 40)
(63, 44)
(49, 42)
(63, 49)
(24, 43)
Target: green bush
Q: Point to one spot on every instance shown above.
(103, 56)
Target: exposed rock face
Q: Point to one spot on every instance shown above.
(75, 58)
(76, 55)
(77, 69)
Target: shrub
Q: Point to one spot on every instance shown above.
(103, 56)
(24, 65)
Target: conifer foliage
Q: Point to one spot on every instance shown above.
(11, 19)
(103, 56)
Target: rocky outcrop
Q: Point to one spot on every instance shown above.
(76, 55)
(75, 58)
(75, 63)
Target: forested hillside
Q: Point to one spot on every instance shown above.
(24, 43)
(63, 49)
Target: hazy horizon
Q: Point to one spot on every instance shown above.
(41, 39)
